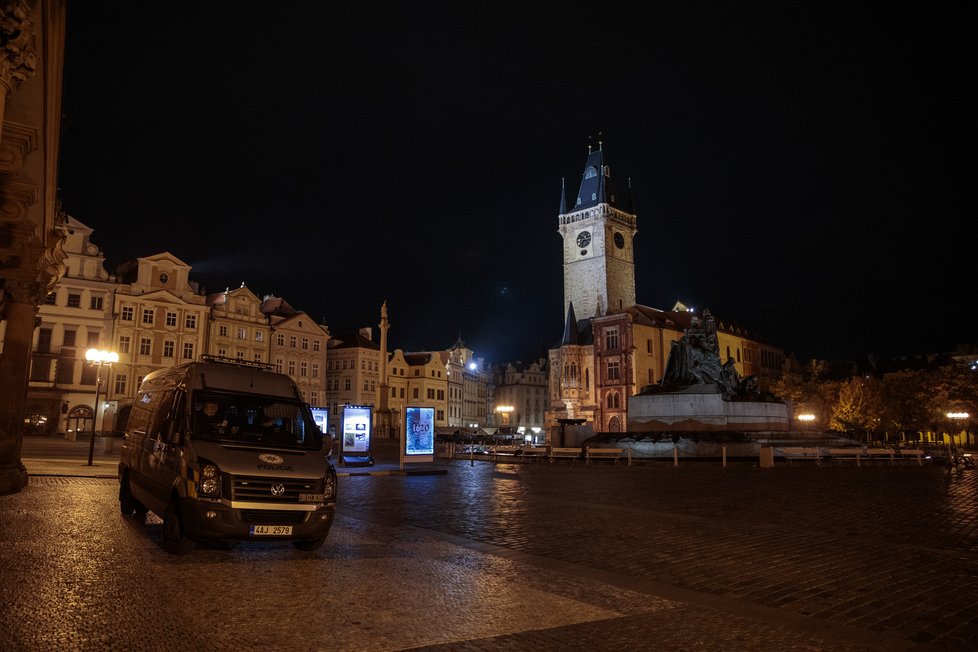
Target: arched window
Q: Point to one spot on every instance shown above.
(728, 350)
(614, 424)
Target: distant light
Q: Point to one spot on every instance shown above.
(472, 366)
(94, 355)
(504, 408)
(806, 417)
(957, 415)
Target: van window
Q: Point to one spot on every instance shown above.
(256, 420)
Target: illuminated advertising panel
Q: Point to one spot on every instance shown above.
(321, 416)
(419, 424)
(356, 430)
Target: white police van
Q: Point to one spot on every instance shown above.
(226, 449)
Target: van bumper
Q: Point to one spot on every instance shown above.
(206, 520)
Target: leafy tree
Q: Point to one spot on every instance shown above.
(859, 406)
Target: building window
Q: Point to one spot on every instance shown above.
(291, 341)
(120, 383)
(415, 392)
(239, 355)
(648, 346)
(190, 321)
(315, 370)
(258, 357)
(144, 346)
(614, 369)
(440, 415)
(401, 392)
(303, 369)
(441, 395)
(148, 315)
(168, 346)
(365, 385)
(291, 367)
(222, 330)
(124, 343)
(188, 350)
(51, 299)
(280, 340)
(126, 314)
(611, 339)
(95, 303)
(347, 384)
(315, 345)
(259, 336)
(242, 333)
(221, 351)
(278, 365)
(171, 318)
(305, 343)
(74, 300)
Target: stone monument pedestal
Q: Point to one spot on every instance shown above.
(701, 408)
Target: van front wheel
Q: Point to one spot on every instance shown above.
(175, 541)
(128, 505)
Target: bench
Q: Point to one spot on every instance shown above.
(504, 451)
(800, 453)
(535, 452)
(912, 454)
(564, 453)
(843, 454)
(881, 454)
(602, 454)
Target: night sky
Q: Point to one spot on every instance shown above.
(805, 172)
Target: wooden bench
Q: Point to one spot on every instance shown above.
(504, 451)
(881, 454)
(564, 453)
(800, 453)
(602, 454)
(912, 454)
(846, 454)
(535, 452)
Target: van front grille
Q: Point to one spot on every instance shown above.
(259, 489)
(272, 517)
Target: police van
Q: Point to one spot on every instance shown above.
(226, 449)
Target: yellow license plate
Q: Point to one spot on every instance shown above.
(270, 530)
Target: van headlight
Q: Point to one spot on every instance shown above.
(329, 486)
(210, 481)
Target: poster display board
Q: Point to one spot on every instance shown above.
(355, 439)
(321, 416)
(419, 434)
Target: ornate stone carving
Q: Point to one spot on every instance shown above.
(18, 59)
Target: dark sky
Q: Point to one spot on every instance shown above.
(807, 172)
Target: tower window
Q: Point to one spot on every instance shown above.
(590, 172)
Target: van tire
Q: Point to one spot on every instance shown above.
(175, 541)
(309, 546)
(128, 505)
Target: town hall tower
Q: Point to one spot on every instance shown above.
(599, 257)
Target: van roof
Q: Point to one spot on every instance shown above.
(224, 376)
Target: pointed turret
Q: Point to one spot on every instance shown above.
(596, 184)
(571, 334)
(563, 196)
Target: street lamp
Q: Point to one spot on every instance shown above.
(958, 418)
(98, 359)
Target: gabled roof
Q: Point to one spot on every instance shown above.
(353, 340)
(273, 305)
(417, 359)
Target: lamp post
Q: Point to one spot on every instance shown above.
(956, 418)
(98, 359)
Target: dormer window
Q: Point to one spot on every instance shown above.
(590, 172)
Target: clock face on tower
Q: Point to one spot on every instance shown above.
(619, 240)
(583, 239)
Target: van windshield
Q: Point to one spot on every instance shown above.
(254, 420)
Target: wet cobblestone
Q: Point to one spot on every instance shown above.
(531, 556)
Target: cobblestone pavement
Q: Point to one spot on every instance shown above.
(520, 557)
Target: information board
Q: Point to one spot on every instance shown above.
(419, 436)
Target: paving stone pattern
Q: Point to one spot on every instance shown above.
(531, 556)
